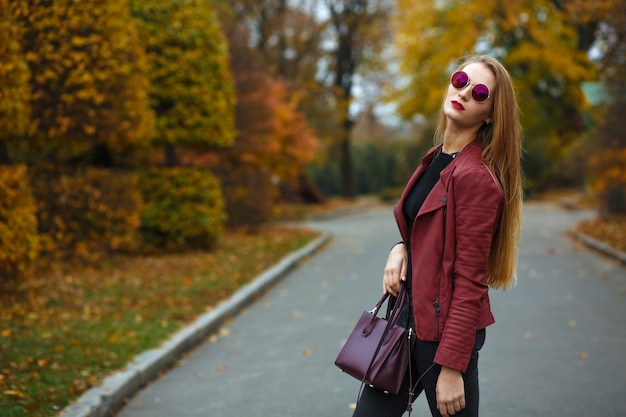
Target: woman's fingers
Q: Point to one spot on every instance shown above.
(395, 269)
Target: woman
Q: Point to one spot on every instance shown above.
(459, 217)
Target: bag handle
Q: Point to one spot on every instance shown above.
(392, 316)
(395, 315)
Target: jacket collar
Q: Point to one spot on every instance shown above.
(472, 148)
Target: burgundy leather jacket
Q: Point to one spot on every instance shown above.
(450, 244)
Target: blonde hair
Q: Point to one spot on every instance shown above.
(501, 141)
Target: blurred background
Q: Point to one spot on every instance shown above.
(143, 127)
(116, 113)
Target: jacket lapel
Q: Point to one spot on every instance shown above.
(402, 225)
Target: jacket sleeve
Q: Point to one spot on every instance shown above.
(477, 206)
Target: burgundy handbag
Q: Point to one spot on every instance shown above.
(377, 351)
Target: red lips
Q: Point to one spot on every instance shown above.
(457, 105)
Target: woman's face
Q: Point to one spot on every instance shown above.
(459, 106)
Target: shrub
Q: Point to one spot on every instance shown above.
(88, 211)
(608, 160)
(249, 195)
(184, 209)
(390, 194)
(18, 223)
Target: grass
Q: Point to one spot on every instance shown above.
(64, 331)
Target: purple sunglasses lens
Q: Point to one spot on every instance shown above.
(459, 79)
(480, 92)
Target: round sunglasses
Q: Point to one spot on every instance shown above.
(480, 92)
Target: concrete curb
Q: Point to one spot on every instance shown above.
(103, 400)
(599, 246)
(589, 241)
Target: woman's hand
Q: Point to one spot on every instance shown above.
(395, 270)
(450, 392)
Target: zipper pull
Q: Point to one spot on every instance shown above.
(437, 308)
(410, 332)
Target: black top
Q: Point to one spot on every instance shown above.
(416, 197)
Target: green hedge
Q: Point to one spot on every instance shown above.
(19, 244)
(184, 209)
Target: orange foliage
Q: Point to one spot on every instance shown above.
(273, 134)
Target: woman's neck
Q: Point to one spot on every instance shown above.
(454, 140)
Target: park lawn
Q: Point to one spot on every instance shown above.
(65, 330)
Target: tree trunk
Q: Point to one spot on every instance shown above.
(345, 163)
(4, 153)
(171, 160)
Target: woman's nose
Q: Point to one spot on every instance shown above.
(465, 92)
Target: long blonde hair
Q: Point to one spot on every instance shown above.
(501, 141)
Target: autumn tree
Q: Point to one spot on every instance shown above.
(273, 139)
(191, 90)
(533, 39)
(14, 82)
(18, 224)
(274, 135)
(354, 25)
(286, 39)
(88, 89)
(287, 35)
(603, 25)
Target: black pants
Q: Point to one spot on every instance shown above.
(375, 403)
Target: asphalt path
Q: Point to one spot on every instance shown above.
(558, 346)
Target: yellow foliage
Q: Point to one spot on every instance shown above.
(533, 38)
(14, 77)
(89, 81)
(19, 244)
(191, 86)
(88, 209)
(184, 208)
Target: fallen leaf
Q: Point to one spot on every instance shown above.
(15, 393)
(582, 355)
(352, 406)
(296, 314)
(572, 323)
(528, 335)
(306, 352)
(33, 407)
(222, 368)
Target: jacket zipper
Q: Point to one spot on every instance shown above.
(436, 303)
